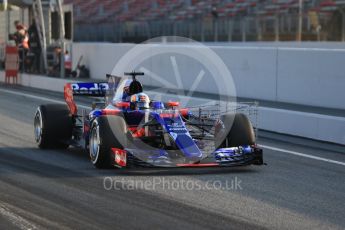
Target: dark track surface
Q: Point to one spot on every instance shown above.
(62, 190)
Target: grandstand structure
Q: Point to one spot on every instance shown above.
(208, 20)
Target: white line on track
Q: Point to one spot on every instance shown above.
(264, 146)
(302, 155)
(16, 220)
(39, 98)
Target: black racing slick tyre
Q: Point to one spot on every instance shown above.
(106, 132)
(236, 130)
(53, 126)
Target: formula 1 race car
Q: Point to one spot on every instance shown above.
(126, 129)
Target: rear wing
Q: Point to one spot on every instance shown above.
(89, 89)
(93, 89)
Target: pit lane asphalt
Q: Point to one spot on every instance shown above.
(62, 190)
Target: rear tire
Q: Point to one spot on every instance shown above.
(106, 132)
(241, 131)
(53, 126)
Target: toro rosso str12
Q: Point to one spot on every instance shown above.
(126, 128)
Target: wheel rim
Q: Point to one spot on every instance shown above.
(38, 126)
(94, 144)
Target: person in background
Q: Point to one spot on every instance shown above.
(68, 64)
(21, 39)
(35, 47)
(19, 26)
(57, 65)
(21, 35)
(57, 61)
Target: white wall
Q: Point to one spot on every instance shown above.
(40, 82)
(307, 76)
(311, 77)
(100, 58)
(310, 125)
(253, 70)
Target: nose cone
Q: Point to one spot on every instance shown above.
(188, 147)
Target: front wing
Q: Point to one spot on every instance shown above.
(225, 157)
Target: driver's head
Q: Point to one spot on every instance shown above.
(141, 100)
(126, 89)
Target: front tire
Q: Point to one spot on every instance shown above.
(106, 132)
(241, 131)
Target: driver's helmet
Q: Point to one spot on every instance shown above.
(141, 101)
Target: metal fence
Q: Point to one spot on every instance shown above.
(282, 27)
